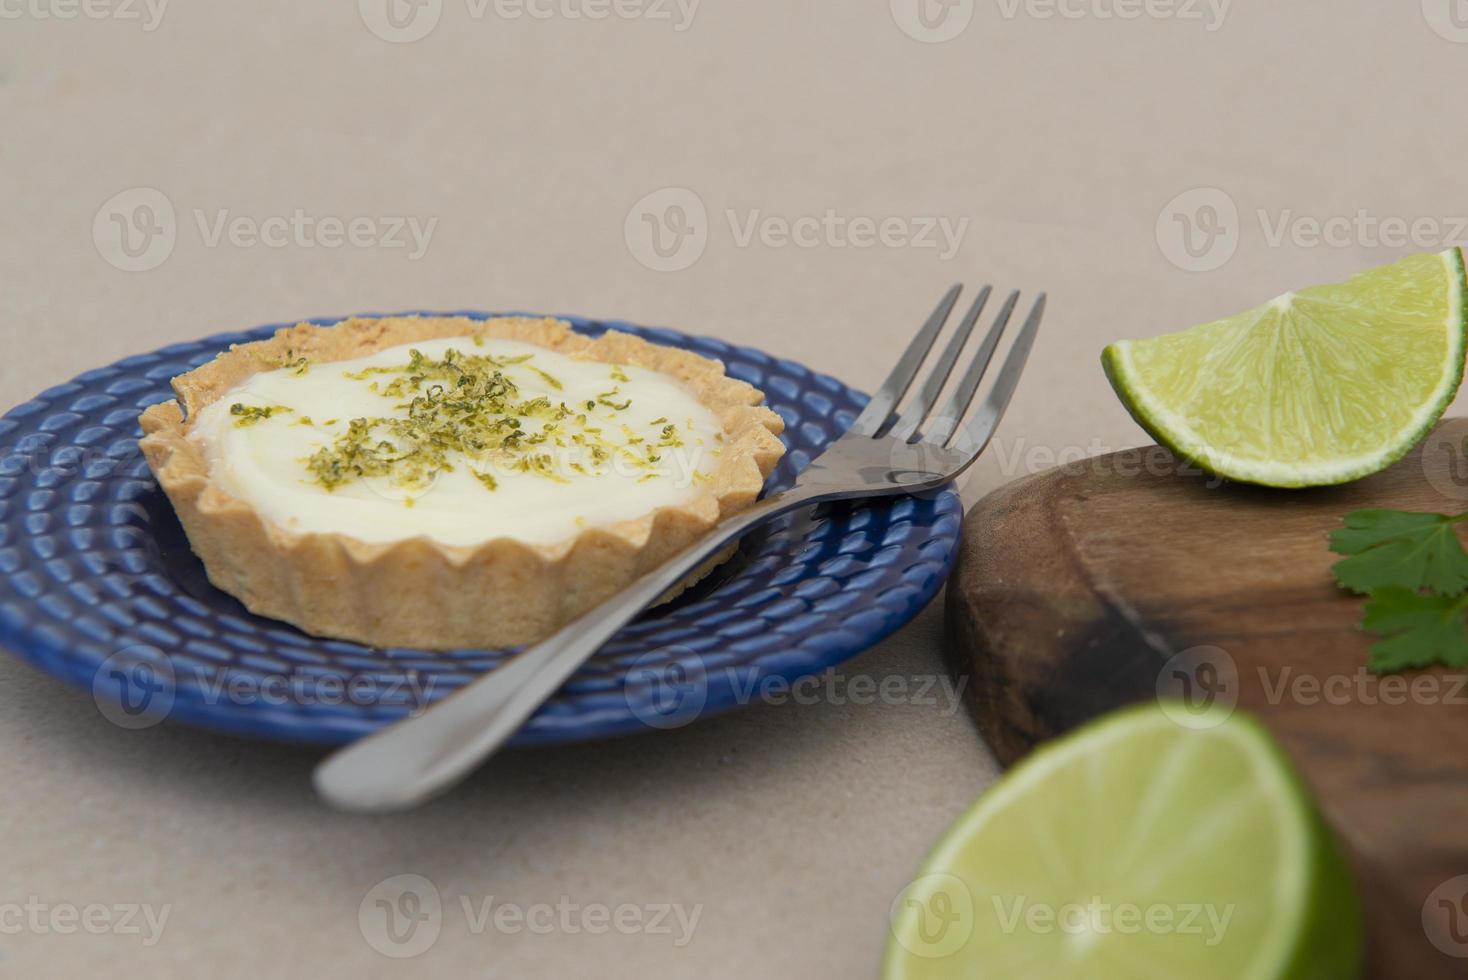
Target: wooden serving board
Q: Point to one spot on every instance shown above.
(1077, 588)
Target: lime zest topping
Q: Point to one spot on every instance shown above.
(547, 378)
(250, 414)
(468, 404)
(605, 398)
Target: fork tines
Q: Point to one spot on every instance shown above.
(943, 427)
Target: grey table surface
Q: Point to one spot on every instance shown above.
(815, 173)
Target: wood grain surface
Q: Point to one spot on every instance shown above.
(1100, 583)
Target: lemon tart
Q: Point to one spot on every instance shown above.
(444, 482)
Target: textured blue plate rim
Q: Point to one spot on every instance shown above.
(48, 653)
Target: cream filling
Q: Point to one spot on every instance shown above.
(646, 442)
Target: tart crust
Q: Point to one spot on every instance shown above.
(418, 592)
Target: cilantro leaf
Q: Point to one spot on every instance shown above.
(1420, 630)
(1400, 548)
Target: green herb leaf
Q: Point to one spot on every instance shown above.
(1399, 548)
(1419, 630)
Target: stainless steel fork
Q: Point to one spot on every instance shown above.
(415, 759)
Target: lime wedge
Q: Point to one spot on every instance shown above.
(1135, 848)
(1320, 386)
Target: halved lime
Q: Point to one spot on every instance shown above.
(1320, 386)
(1136, 848)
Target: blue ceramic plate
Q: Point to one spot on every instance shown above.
(100, 588)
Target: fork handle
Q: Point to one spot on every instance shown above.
(417, 758)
